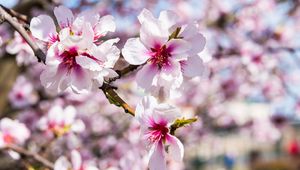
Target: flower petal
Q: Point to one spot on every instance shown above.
(106, 24)
(191, 34)
(165, 112)
(64, 16)
(88, 63)
(157, 158)
(62, 164)
(42, 27)
(193, 66)
(168, 18)
(53, 78)
(147, 103)
(134, 52)
(178, 48)
(145, 15)
(152, 32)
(78, 126)
(107, 52)
(80, 80)
(145, 76)
(76, 159)
(69, 114)
(176, 149)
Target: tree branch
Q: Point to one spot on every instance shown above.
(18, 27)
(108, 90)
(123, 72)
(17, 15)
(180, 123)
(29, 154)
(115, 99)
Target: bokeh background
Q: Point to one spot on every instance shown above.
(247, 101)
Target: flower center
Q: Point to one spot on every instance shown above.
(68, 58)
(160, 56)
(8, 138)
(158, 132)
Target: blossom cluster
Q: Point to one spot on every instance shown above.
(80, 59)
(240, 78)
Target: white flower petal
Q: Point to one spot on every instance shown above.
(105, 25)
(107, 52)
(80, 80)
(42, 27)
(176, 149)
(168, 18)
(145, 15)
(88, 63)
(78, 126)
(145, 76)
(166, 112)
(147, 103)
(62, 164)
(193, 66)
(157, 158)
(191, 34)
(52, 78)
(134, 52)
(76, 159)
(64, 16)
(178, 48)
(69, 115)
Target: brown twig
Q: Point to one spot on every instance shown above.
(18, 27)
(29, 154)
(17, 15)
(115, 99)
(123, 72)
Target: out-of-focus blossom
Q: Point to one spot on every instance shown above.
(12, 132)
(23, 93)
(24, 53)
(76, 57)
(60, 121)
(168, 50)
(76, 163)
(155, 120)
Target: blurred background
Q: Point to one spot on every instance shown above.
(247, 100)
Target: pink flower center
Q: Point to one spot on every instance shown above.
(160, 56)
(19, 96)
(68, 58)
(8, 138)
(158, 131)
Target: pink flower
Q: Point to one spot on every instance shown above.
(76, 58)
(168, 57)
(155, 120)
(22, 93)
(12, 132)
(20, 47)
(60, 121)
(76, 163)
(44, 29)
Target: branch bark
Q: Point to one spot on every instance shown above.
(18, 27)
(123, 72)
(115, 99)
(29, 154)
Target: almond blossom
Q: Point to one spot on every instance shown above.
(168, 50)
(24, 53)
(22, 93)
(12, 132)
(76, 163)
(155, 120)
(60, 121)
(76, 58)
